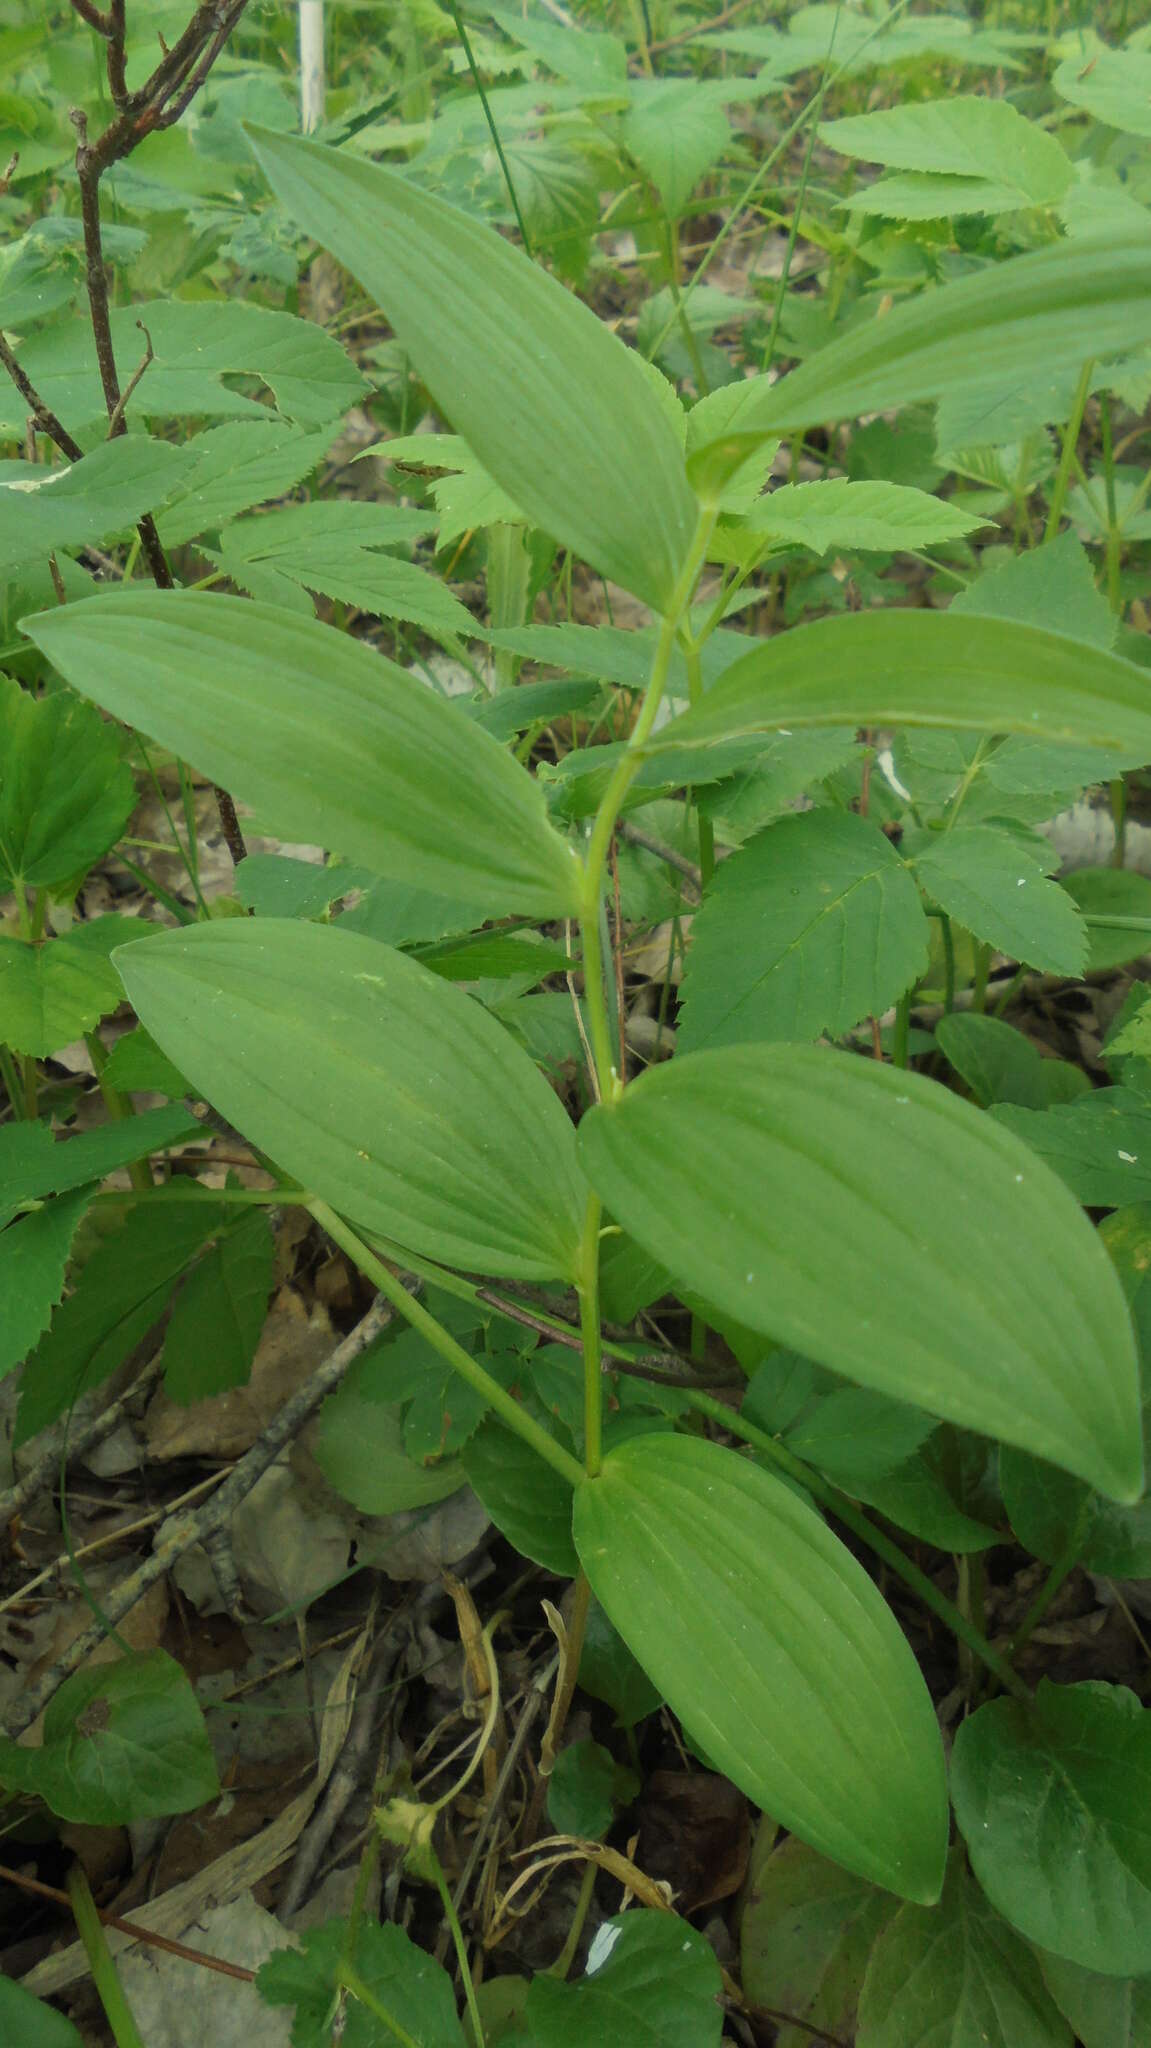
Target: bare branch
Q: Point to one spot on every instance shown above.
(117, 81)
(115, 425)
(43, 415)
(91, 14)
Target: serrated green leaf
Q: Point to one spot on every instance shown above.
(1052, 586)
(924, 669)
(580, 1791)
(855, 1436)
(814, 924)
(235, 467)
(53, 991)
(1100, 1145)
(551, 403)
(197, 345)
(957, 1976)
(997, 1062)
(42, 509)
(839, 514)
(34, 1253)
(609, 1672)
(676, 131)
(408, 1983)
(734, 1596)
(806, 1932)
(374, 766)
(754, 1172)
(996, 158)
(137, 1066)
(34, 1164)
(360, 1451)
(119, 1296)
(430, 1127)
(1113, 85)
(273, 885)
(650, 1979)
(991, 883)
(924, 1496)
(1089, 297)
(122, 1742)
(211, 1339)
(65, 793)
(1053, 1803)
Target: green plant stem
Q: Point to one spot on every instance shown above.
(592, 1338)
(948, 939)
(413, 1312)
(117, 2011)
(351, 1980)
(902, 1030)
(493, 131)
(459, 1944)
(13, 1084)
(704, 826)
(1063, 1566)
(567, 1954)
(838, 1505)
(1067, 453)
(1114, 530)
(626, 770)
(118, 1107)
(982, 974)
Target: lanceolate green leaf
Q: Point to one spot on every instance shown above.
(875, 1223)
(324, 736)
(926, 668)
(739, 1602)
(1087, 297)
(551, 403)
(383, 1089)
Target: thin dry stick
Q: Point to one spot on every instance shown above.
(120, 1535)
(43, 1474)
(43, 415)
(635, 836)
(121, 406)
(132, 1928)
(202, 1523)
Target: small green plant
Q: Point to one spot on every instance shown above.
(928, 1324)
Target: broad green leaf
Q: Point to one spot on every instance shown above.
(429, 1125)
(1105, 2012)
(122, 1742)
(597, 63)
(737, 1600)
(1054, 1803)
(1100, 1145)
(855, 1436)
(198, 345)
(234, 467)
(925, 668)
(549, 400)
(609, 1672)
(580, 1791)
(858, 1215)
(65, 793)
(215, 1326)
(840, 514)
(998, 1063)
(34, 1164)
(814, 924)
(957, 1977)
(28, 2020)
(137, 1066)
(34, 1253)
(360, 1451)
(650, 1980)
(998, 160)
(926, 1496)
(527, 1501)
(805, 1936)
(120, 1295)
(513, 711)
(370, 762)
(407, 1982)
(1081, 298)
(1111, 892)
(992, 883)
(53, 991)
(1113, 85)
(42, 509)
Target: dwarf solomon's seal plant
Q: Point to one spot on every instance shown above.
(928, 1322)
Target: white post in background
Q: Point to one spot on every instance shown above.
(312, 84)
